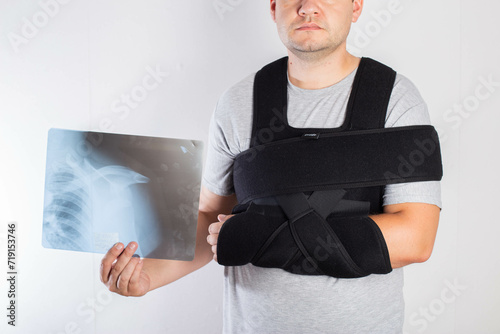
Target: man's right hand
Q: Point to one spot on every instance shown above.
(122, 273)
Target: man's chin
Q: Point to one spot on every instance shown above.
(311, 52)
(309, 42)
(310, 47)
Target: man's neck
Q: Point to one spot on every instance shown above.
(320, 73)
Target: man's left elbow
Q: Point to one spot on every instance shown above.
(423, 254)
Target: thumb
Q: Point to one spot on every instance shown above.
(221, 217)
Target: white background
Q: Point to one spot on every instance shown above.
(72, 68)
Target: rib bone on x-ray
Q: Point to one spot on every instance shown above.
(104, 188)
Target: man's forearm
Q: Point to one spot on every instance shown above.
(163, 272)
(127, 275)
(409, 231)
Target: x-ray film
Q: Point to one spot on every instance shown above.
(102, 188)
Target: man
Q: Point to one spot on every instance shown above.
(271, 300)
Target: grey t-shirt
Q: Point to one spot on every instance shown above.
(263, 300)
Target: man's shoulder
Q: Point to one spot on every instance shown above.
(239, 92)
(233, 112)
(406, 106)
(405, 88)
(243, 89)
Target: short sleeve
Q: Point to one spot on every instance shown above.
(407, 107)
(217, 176)
(229, 134)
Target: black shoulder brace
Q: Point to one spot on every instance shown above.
(305, 195)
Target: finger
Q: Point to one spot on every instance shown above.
(222, 218)
(214, 249)
(212, 239)
(214, 228)
(133, 283)
(120, 264)
(108, 260)
(126, 274)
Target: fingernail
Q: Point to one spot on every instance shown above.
(132, 246)
(118, 246)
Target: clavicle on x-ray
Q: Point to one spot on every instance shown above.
(103, 188)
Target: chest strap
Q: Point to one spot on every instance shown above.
(348, 159)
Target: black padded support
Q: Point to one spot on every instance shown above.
(349, 159)
(239, 240)
(301, 241)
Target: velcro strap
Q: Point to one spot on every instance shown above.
(307, 244)
(307, 220)
(322, 248)
(349, 159)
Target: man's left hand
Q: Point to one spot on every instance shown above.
(213, 231)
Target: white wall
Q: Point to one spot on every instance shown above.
(71, 71)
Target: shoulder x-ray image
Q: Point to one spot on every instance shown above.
(102, 188)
